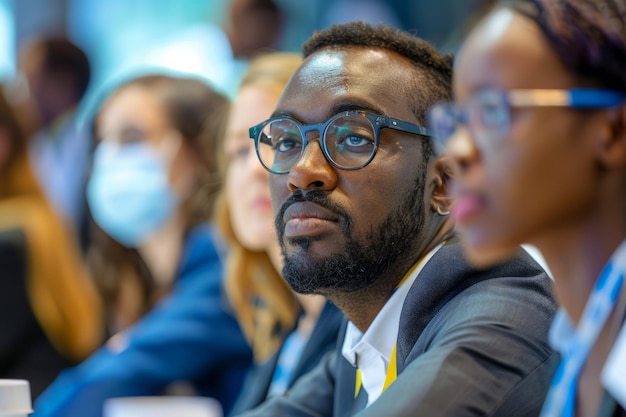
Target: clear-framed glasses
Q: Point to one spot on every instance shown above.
(487, 115)
(349, 140)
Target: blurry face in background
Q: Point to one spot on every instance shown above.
(247, 186)
(254, 25)
(135, 114)
(539, 179)
(143, 171)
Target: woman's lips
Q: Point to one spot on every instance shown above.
(308, 219)
(467, 206)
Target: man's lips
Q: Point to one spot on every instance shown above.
(307, 218)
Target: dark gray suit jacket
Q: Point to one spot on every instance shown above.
(471, 343)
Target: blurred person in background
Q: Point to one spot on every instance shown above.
(52, 315)
(289, 332)
(55, 75)
(253, 27)
(218, 53)
(151, 191)
(540, 157)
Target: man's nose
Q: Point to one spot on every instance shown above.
(312, 170)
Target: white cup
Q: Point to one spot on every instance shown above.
(162, 406)
(15, 398)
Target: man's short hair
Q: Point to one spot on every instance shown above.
(433, 81)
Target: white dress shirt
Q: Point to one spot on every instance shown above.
(371, 352)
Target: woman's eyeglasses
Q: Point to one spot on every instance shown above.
(487, 115)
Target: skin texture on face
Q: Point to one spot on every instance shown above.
(246, 180)
(540, 179)
(343, 231)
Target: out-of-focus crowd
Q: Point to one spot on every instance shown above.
(342, 236)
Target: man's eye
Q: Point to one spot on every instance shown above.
(285, 145)
(356, 141)
(348, 140)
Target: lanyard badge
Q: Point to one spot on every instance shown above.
(561, 398)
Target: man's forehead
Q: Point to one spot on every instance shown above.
(357, 75)
(344, 60)
(328, 62)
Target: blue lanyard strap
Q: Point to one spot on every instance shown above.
(561, 398)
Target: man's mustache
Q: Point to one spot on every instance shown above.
(318, 197)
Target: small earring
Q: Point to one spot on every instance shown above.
(442, 213)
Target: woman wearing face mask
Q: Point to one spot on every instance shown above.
(149, 191)
(52, 317)
(152, 183)
(537, 142)
(289, 333)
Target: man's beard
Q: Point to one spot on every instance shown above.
(362, 263)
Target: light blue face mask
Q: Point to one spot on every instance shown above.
(128, 193)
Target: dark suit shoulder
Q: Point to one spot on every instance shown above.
(476, 335)
(447, 275)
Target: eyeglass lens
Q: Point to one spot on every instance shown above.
(486, 117)
(348, 142)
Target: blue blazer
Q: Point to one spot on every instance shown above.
(322, 340)
(189, 336)
(471, 343)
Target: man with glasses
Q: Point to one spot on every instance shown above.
(362, 218)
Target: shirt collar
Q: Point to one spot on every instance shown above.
(382, 334)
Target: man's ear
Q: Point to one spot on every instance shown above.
(611, 144)
(443, 174)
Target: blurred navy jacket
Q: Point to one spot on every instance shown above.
(323, 340)
(189, 336)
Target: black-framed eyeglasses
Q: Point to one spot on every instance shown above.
(487, 115)
(349, 140)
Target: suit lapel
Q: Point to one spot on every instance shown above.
(444, 276)
(345, 403)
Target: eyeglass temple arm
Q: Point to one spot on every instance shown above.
(402, 126)
(579, 98)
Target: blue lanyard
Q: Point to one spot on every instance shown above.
(561, 399)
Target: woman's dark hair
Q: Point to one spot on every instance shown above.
(589, 36)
